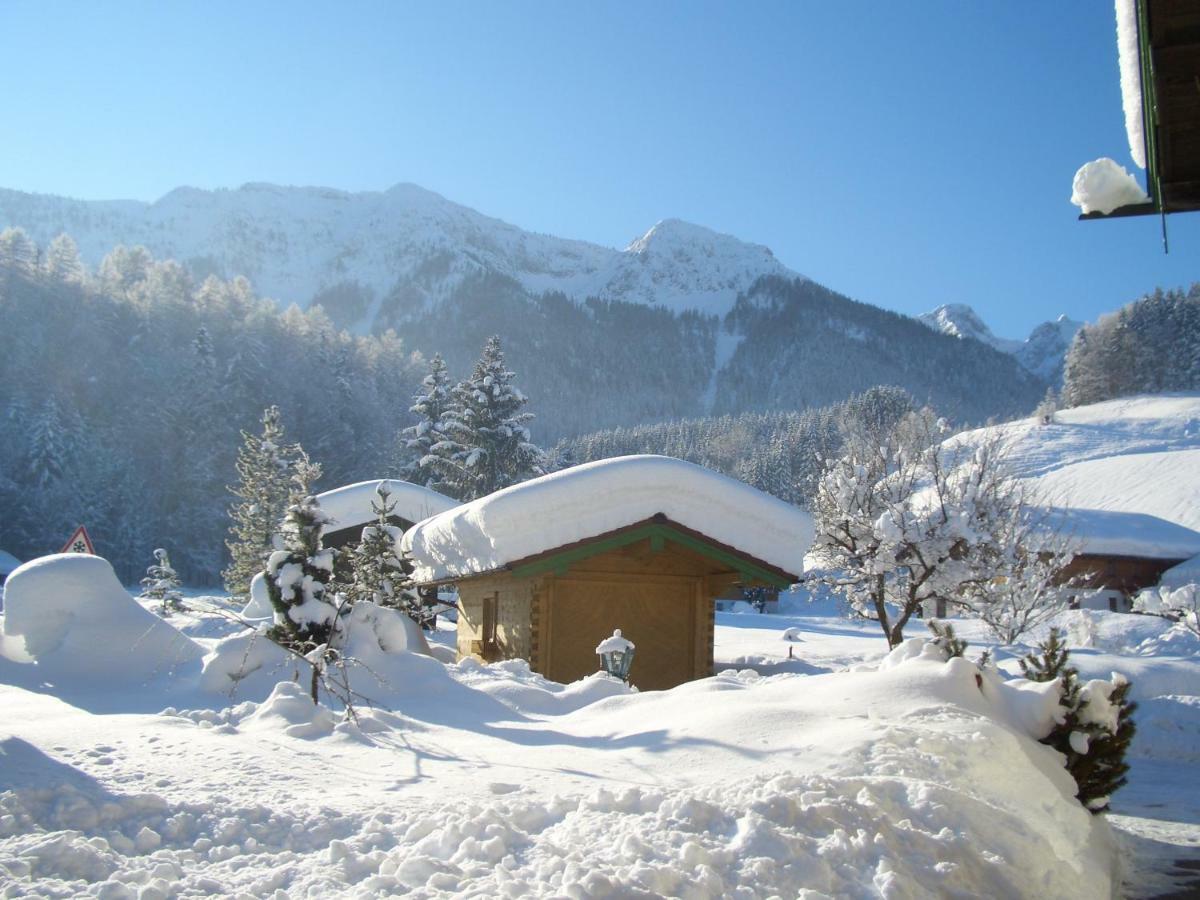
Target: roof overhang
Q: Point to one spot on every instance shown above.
(1169, 60)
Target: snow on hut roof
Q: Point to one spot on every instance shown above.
(1187, 572)
(351, 505)
(600, 497)
(8, 563)
(1106, 532)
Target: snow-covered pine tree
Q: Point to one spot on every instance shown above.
(376, 573)
(486, 445)
(62, 262)
(417, 441)
(1097, 725)
(162, 584)
(264, 465)
(299, 574)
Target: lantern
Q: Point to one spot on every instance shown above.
(616, 655)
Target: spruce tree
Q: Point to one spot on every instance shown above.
(162, 584)
(1097, 726)
(417, 442)
(376, 573)
(299, 574)
(487, 445)
(264, 466)
(944, 637)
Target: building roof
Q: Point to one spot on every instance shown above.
(8, 563)
(1102, 532)
(350, 505)
(599, 499)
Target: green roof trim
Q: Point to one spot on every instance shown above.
(659, 534)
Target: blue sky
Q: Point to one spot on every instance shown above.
(904, 154)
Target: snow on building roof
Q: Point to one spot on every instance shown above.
(1110, 533)
(351, 505)
(600, 497)
(1131, 78)
(1187, 572)
(8, 563)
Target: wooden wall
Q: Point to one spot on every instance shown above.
(661, 599)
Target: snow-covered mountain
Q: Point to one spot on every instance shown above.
(683, 321)
(1042, 353)
(376, 258)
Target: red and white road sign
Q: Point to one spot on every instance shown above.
(80, 542)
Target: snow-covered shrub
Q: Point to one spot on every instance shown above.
(1096, 724)
(1181, 605)
(162, 584)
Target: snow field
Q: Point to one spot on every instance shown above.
(909, 778)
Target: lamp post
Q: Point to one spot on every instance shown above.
(616, 655)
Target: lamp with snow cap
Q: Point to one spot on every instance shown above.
(616, 655)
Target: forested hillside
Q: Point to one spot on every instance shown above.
(803, 345)
(1149, 346)
(124, 394)
(781, 453)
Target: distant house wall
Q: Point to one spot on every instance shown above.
(1115, 574)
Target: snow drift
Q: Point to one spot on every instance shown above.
(75, 620)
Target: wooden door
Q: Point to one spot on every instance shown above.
(658, 615)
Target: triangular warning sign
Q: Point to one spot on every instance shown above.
(79, 543)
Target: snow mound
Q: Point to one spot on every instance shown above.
(351, 505)
(601, 497)
(291, 710)
(1102, 186)
(76, 621)
(1187, 572)
(524, 691)
(259, 605)
(247, 666)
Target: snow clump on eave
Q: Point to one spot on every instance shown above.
(1103, 185)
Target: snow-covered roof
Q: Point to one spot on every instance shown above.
(351, 505)
(1109, 533)
(1131, 78)
(8, 562)
(600, 497)
(1187, 572)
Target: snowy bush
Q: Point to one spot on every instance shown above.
(162, 584)
(1181, 605)
(1095, 726)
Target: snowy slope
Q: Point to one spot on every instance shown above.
(407, 244)
(1137, 454)
(1042, 353)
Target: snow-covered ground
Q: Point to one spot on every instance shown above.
(1137, 454)
(832, 776)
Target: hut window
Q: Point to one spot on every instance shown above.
(488, 631)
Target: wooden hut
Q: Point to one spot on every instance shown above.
(546, 569)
